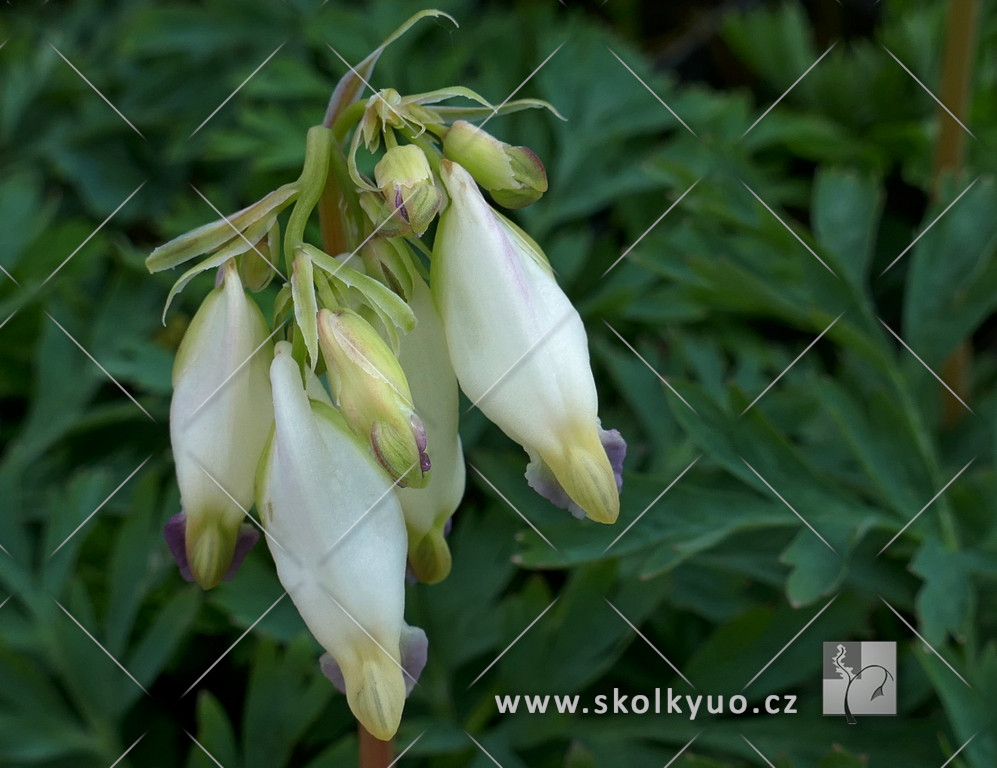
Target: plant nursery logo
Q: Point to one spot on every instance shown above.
(860, 678)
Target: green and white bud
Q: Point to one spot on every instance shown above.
(370, 387)
(406, 181)
(514, 176)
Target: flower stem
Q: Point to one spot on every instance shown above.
(950, 156)
(374, 753)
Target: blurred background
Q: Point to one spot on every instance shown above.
(783, 249)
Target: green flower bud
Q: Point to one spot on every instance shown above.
(407, 183)
(386, 218)
(514, 176)
(256, 266)
(373, 394)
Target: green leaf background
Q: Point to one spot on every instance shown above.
(716, 300)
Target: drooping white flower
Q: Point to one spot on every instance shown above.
(424, 358)
(220, 417)
(520, 351)
(337, 536)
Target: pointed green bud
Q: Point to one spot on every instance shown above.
(257, 265)
(373, 394)
(407, 183)
(514, 176)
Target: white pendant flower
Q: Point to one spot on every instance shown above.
(220, 417)
(520, 351)
(337, 536)
(424, 358)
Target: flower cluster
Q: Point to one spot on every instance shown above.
(339, 417)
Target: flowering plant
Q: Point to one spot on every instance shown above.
(340, 419)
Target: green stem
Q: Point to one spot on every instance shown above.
(347, 119)
(311, 183)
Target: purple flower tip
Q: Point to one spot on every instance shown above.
(175, 533)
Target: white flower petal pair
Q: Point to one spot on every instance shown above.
(520, 351)
(220, 417)
(424, 358)
(336, 533)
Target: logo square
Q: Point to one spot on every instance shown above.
(860, 678)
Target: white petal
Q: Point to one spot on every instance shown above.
(221, 410)
(338, 539)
